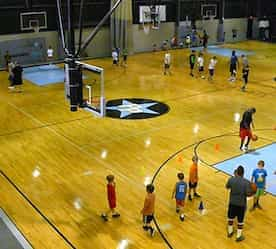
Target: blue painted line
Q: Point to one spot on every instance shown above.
(250, 160)
(227, 52)
(44, 75)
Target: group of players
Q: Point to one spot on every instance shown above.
(240, 188)
(199, 61)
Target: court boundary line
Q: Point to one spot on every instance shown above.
(37, 210)
(15, 226)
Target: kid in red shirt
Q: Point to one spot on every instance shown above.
(111, 197)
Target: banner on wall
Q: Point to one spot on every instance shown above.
(24, 51)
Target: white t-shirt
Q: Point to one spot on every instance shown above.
(167, 59)
(200, 61)
(212, 63)
(50, 52)
(115, 55)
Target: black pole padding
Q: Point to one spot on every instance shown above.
(75, 85)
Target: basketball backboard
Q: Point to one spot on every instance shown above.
(33, 21)
(208, 11)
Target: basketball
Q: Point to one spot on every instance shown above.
(253, 188)
(254, 137)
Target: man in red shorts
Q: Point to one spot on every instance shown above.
(245, 128)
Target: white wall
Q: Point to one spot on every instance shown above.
(211, 26)
(143, 42)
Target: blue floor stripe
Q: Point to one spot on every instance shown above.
(227, 52)
(250, 160)
(44, 75)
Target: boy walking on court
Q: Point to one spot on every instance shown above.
(179, 193)
(192, 60)
(193, 178)
(111, 196)
(125, 54)
(234, 62)
(245, 128)
(200, 63)
(245, 72)
(211, 68)
(115, 57)
(167, 63)
(259, 178)
(148, 209)
(239, 190)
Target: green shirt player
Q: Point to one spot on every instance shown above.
(192, 60)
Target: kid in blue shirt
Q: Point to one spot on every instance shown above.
(259, 178)
(179, 193)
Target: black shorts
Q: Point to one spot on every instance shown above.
(192, 65)
(236, 211)
(200, 69)
(233, 67)
(167, 66)
(147, 218)
(124, 57)
(211, 72)
(192, 185)
(115, 62)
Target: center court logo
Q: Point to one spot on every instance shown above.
(135, 108)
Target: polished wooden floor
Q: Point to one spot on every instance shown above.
(38, 132)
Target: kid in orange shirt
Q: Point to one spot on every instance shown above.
(193, 178)
(148, 209)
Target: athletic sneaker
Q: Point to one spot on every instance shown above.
(196, 195)
(241, 238)
(177, 210)
(152, 231)
(104, 217)
(116, 215)
(229, 235)
(259, 206)
(182, 217)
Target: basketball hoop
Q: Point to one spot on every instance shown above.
(34, 24)
(211, 18)
(36, 29)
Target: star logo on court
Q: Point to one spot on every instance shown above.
(127, 108)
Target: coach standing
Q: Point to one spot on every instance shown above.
(239, 189)
(17, 75)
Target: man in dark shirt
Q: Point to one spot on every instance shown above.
(7, 58)
(234, 62)
(239, 190)
(17, 76)
(205, 39)
(245, 128)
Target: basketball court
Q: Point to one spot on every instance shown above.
(141, 126)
